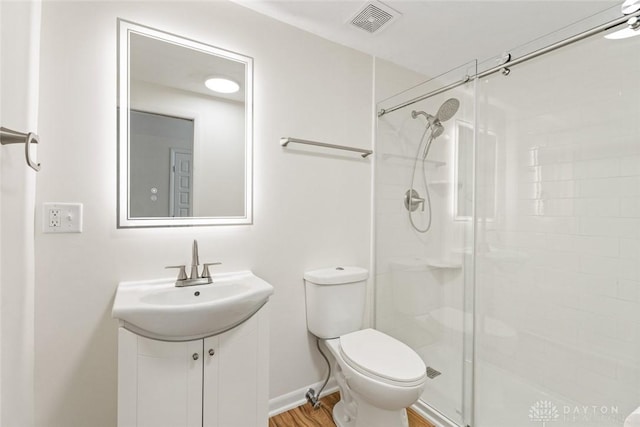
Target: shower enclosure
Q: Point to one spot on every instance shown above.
(523, 297)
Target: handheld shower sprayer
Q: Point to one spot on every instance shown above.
(434, 124)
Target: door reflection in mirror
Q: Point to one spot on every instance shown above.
(156, 142)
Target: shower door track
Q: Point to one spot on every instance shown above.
(433, 415)
(536, 53)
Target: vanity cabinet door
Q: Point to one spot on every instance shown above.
(159, 383)
(235, 377)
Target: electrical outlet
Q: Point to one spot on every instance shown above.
(62, 217)
(54, 218)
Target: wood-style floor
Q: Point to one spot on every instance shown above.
(306, 416)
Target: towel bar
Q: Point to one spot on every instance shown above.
(284, 141)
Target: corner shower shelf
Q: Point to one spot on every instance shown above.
(443, 263)
(431, 163)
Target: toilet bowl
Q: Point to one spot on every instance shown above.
(378, 376)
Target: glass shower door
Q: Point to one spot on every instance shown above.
(558, 239)
(424, 230)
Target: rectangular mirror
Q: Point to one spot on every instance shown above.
(185, 131)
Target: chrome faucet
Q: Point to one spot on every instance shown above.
(194, 277)
(195, 260)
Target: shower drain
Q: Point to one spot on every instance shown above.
(432, 373)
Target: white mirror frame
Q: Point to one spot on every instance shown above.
(125, 28)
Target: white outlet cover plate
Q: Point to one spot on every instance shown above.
(70, 219)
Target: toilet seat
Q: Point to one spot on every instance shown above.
(377, 355)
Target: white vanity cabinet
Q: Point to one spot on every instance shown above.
(220, 381)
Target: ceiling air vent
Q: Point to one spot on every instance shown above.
(374, 16)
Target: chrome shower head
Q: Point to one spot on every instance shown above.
(448, 109)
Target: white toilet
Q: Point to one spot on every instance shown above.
(378, 376)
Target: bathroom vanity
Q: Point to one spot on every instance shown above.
(193, 356)
(220, 381)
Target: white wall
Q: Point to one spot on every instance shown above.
(310, 211)
(19, 36)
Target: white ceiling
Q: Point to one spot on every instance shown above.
(432, 37)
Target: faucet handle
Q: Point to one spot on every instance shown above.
(182, 274)
(205, 270)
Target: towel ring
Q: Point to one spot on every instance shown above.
(31, 138)
(8, 136)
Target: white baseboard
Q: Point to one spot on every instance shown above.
(296, 398)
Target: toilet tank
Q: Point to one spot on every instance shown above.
(335, 299)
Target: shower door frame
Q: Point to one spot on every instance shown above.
(462, 77)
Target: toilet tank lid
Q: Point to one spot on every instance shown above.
(336, 275)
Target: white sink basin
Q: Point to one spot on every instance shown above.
(160, 310)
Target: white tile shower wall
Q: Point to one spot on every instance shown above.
(406, 259)
(310, 211)
(560, 265)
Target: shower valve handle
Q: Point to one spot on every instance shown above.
(418, 201)
(412, 200)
